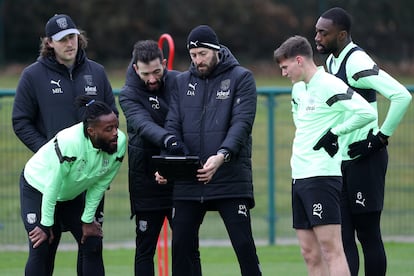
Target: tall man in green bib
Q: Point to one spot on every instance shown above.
(364, 151)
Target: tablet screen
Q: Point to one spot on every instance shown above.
(177, 167)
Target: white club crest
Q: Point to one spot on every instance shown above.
(31, 218)
(62, 23)
(143, 225)
(225, 85)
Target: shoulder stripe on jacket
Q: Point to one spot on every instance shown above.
(340, 97)
(60, 156)
(366, 73)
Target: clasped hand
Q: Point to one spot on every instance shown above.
(93, 229)
(365, 147)
(38, 235)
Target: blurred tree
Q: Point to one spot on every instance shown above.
(251, 28)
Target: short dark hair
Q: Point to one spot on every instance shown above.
(292, 47)
(340, 18)
(91, 109)
(146, 51)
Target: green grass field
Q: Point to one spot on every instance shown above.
(275, 260)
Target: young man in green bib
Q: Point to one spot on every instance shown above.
(324, 108)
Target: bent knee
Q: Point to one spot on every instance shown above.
(312, 256)
(92, 245)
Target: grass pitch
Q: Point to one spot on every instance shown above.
(275, 260)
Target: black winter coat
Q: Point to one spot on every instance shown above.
(211, 113)
(45, 95)
(145, 112)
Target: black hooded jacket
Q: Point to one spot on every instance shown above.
(45, 95)
(145, 112)
(211, 113)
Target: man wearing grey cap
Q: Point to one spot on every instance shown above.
(211, 115)
(44, 105)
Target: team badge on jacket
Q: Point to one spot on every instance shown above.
(90, 87)
(224, 92)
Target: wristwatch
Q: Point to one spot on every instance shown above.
(226, 154)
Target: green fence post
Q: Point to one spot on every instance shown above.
(2, 38)
(271, 166)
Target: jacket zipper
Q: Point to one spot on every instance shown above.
(205, 102)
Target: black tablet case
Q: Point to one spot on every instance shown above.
(181, 168)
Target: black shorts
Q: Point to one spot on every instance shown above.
(364, 182)
(315, 201)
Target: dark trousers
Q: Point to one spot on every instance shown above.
(148, 227)
(367, 228)
(361, 207)
(187, 219)
(67, 217)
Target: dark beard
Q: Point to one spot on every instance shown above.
(160, 84)
(324, 51)
(210, 69)
(106, 147)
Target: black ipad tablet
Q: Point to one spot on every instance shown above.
(177, 167)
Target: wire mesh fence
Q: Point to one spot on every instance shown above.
(398, 214)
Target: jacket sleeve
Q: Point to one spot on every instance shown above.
(395, 92)
(243, 112)
(362, 75)
(25, 113)
(95, 193)
(361, 112)
(173, 121)
(139, 120)
(54, 174)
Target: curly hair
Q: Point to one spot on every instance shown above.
(91, 110)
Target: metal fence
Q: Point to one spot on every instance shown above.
(271, 218)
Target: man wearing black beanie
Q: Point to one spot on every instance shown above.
(211, 115)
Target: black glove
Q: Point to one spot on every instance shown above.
(329, 142)
(365, 147)
(174, 146)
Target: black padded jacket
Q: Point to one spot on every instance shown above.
(145, 112)
(211, 113)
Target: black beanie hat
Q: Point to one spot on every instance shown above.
(203, 36)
